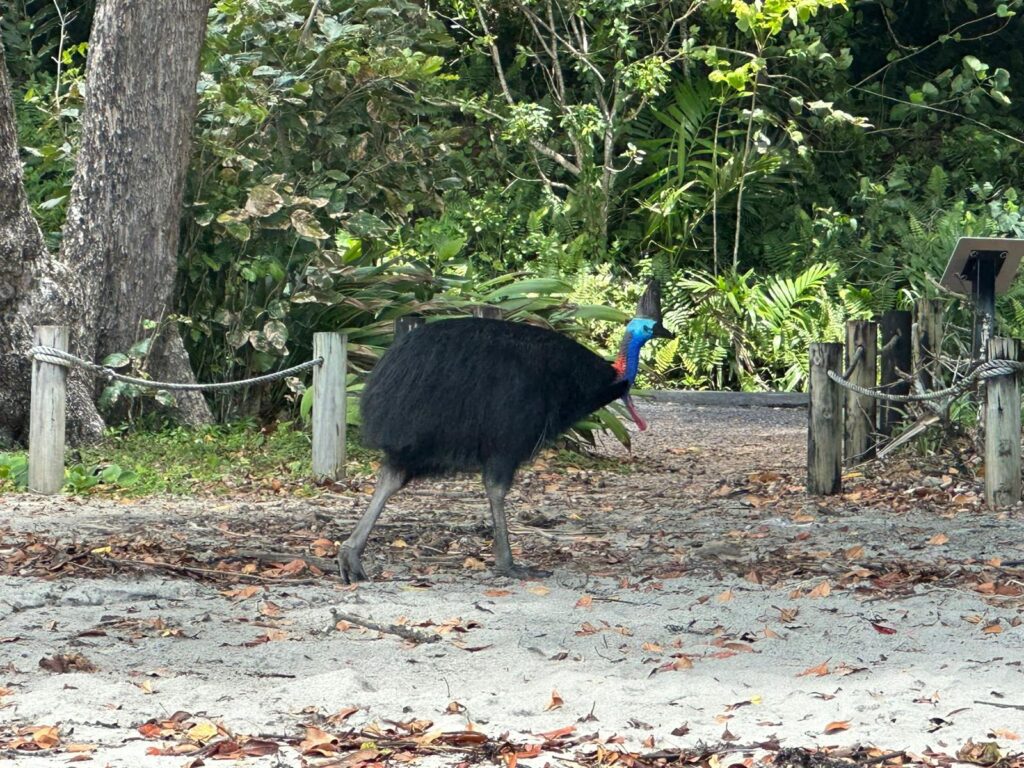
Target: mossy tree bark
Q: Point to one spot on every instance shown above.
(117, 264)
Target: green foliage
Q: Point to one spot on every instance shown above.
(78, 478)
(225, 459)
(313, 151)
(783, 165)
(735, 330)
(47, 66)
(13, 471)
(216, 460)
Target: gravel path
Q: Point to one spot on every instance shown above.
(698, 598)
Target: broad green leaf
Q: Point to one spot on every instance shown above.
(365, 224)
(598, 312)
(974, 63)
(141, 347)
(116, 360)
(306, 225)
(542, 285)
(263, 201)
(276, 334)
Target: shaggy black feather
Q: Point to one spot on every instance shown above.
(472, 394)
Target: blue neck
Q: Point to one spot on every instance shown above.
(628, 360)
(633, 345)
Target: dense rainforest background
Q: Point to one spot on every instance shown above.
(781, 165)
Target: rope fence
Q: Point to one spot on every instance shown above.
(850, 412)
(56, 356)
(988, 370)
(51, 362)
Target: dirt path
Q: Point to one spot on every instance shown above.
(702, 609)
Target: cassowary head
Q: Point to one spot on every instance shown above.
(641, 329)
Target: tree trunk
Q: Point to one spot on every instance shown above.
(118, 262)
(35, 289)
(125, 208)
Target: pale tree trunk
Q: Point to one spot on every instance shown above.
(124, 215)
(35, 289)
(118, 261)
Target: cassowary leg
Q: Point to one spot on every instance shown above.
(389, 480)
(497, 485)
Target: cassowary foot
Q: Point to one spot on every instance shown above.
(349, 565)
(521, 572)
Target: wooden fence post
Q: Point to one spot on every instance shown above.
(897, 358)
(861, 409)
(487, 310)
(1002, 429)
(47, 418)
(929, 321)
(329, 406)
(825, 422)
(407, 324)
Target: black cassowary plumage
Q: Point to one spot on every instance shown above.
(478, 394)
(462, 395)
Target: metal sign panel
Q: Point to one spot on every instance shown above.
(958, 274)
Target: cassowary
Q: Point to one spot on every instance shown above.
(474, 394)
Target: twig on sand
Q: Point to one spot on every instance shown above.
(406, 633)
(881, 758)
(232, 575)
(325, 564)
(1000, 704)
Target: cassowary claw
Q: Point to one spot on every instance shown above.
(521, 572)
(349, 565)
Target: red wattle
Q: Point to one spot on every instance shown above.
(637, 418)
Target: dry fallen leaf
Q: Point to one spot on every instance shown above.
(269, 609)
(820, 671)
(558, 733)
(71, 662)
(291, 568)
(47, 736)
(585, 602)
(676, 665)
(822, 590)
(985, 753)
(1002, 733)
(787, 615)
(318, 742)
(243, 593)
(938, 539)
(556, 701)
(538, 589)
(725, 596)
(342, 715)
(837, 725)
(202, 731)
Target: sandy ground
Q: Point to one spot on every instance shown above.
(699, 598)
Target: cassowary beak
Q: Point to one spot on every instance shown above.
(634, 414)
(661, 332)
